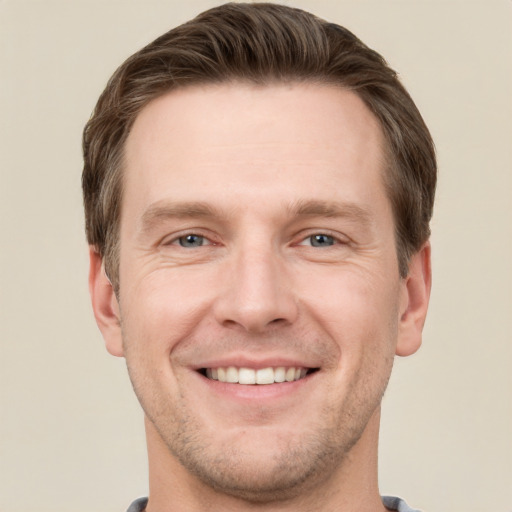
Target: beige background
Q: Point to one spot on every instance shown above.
(70, 430)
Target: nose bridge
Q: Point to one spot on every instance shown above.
(257, 292)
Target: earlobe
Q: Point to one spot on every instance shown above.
(414, 304)
(104, 304)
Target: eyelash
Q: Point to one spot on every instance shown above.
(318, 235)
(335, 240)
(176, 239)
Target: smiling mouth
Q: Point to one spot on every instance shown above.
(251, 376)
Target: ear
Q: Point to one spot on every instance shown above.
(104, 304)
(414, 302)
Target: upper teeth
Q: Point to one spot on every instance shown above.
(235, 375)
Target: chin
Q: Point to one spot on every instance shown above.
(262, 466)
(256, 478)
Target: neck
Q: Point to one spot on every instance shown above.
(351, 487)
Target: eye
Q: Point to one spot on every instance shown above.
(319, 240)
(191, 241)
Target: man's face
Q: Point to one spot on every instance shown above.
(257, 243)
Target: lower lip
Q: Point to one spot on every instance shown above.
(255, 392)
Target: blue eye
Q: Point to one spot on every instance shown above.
(321, 240)
(189, 241)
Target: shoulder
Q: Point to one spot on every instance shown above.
(398, 504)
(138, 505)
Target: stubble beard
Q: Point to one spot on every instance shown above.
(299, 466)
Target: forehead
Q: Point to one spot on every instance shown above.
(217, 141)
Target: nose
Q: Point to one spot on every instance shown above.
(256, 294)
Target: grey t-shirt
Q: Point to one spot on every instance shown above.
(398, 504)
(390, 502)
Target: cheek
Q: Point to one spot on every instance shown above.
(358, 310)
(166, 305)
(350, 296)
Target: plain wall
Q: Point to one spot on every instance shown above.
(71, 433)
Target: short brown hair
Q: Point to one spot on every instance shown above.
(260, 43)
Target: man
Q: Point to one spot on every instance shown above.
(258, 188)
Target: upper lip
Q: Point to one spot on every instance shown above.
(244, 361)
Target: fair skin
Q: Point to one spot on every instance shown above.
(256, 233)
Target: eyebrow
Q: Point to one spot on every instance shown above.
(313, 208)
(170, 210)
(166, 210)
